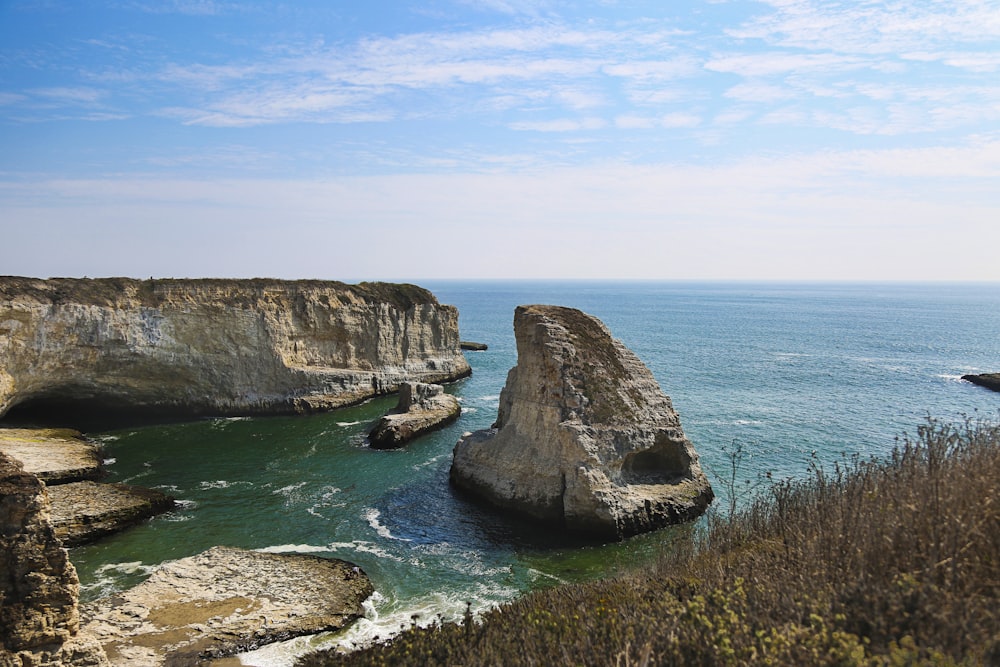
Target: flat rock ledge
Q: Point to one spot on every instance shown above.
(86, 511)
(422, 408)
(584, 439)
(225, 601)
(54, 455)
(988, 380)
(82, 510)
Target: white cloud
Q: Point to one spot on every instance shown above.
(680, 119)
(560, 125)
(897, 214)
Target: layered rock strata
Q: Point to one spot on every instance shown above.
(584, 437)
(225, 601)
(86, 511)
(422, 408)
(217, 347)
(81, 510)
(39, 588)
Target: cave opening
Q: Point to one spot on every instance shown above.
(66, 408)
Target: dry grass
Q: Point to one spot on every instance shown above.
(873, 563)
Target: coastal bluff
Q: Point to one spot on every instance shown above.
(584, 438)
(216, 347)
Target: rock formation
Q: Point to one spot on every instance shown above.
(224, 601)
(422, 408)
(988, 380)
(584, 438)
(54, 455)
(86, 511)
(216, 347)
(39, 617)
(81, 510)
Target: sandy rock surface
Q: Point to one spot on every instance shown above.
(224, 601)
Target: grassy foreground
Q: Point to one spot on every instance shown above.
(891, 562)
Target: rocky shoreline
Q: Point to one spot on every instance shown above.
(224, 601)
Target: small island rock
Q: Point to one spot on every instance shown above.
(988, 380)
(422, 408)
(584, 437)
(223, 601)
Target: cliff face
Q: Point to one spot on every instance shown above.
(584, 436)
(39, 617)
(193, 347)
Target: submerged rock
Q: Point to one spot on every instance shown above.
(85, 511)
(55, 455)
(988, 380)
(76, 348)
(584, 438)
(422, 408)
(39, 588)
(224, 601)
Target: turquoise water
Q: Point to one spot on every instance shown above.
(785, 370)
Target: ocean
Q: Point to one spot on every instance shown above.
(790, 373)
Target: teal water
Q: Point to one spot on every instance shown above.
(788, 371)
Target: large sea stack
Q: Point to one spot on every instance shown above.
(216, 347)
(584, 438)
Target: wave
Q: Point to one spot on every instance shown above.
(355, 546)
(113, 578)
(346, 424)
(371, 515)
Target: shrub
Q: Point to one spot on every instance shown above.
(893, 562)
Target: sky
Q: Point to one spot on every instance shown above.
(481, 139)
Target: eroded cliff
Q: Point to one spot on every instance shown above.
(39, 616)
(216, 346)
(584, 438)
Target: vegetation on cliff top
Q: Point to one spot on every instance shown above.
(110, 292)
(892, 562)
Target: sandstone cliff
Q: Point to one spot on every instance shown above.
(39, 617)
(218, 347)
(584, 436)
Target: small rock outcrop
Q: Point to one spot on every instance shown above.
(82, 510)
(473, 346)
(422, 408)
(988, 380)
(86, 511)
(39, 588)
(186, 348)
(54, 455)
(224, 601)
(584, 437)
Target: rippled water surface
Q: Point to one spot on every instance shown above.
(785, 370)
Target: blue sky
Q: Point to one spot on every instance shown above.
(777, 140)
